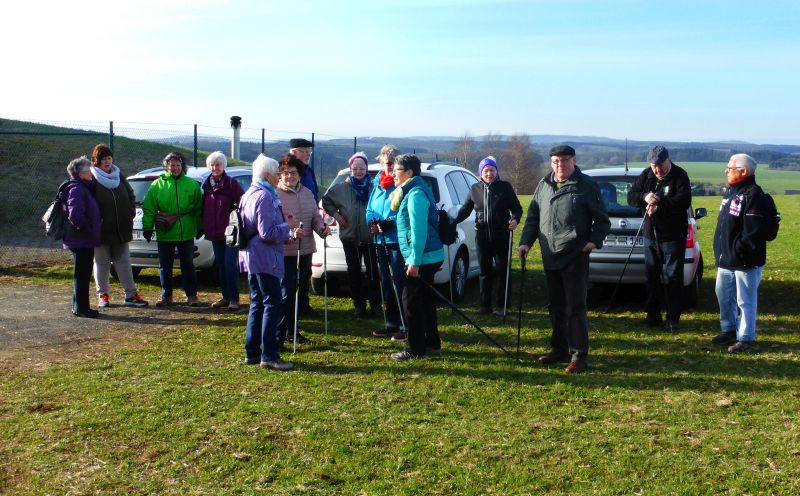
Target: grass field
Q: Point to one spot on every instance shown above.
(774, 181)
(655, 414)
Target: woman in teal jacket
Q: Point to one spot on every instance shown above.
(175, 195)
(421, 247)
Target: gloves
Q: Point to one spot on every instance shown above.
(386, 224)
(148, 235)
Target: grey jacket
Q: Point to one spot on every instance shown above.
(342, 199)
(565, 219)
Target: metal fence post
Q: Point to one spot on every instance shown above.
(195, 145)
(355, 144)
(262, 140)
(111, 135)
(319, 181)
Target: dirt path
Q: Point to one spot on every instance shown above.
(38, 331)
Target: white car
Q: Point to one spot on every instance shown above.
(450, 184)
(606, 265)
(144, 254)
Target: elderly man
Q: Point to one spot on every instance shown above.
(663, 190)
(740, 249)
(568, 217)
(301, 148)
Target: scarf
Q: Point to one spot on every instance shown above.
(361, 188)
(396, 196)
(108, 180)
(385, 181)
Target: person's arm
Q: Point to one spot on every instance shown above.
(417, 205)
(270, 229)
(465, 210)
(637, 193)
(601, 224)
(131, 195)
(754, 226)
(149, 206)
(516, 207)
(76, 209)
(681, 199)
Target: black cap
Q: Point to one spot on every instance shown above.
(658, 155)
(300, 143)
(562, 150)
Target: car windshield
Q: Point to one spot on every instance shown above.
(430, 181)
(614, 190)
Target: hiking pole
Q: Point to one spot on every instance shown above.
(627, 260)
(325, 275)
(394, 284)
(449, 275)
(519, 314)
(380, 279)
(464, 316)
(297, 291)
(508, 276)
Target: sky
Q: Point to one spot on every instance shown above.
(643, 70)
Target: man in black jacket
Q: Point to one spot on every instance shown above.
(740, 250)
(664, 192)
(497, 213)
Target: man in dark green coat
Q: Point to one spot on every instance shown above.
(568, 217)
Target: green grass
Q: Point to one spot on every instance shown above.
(774, 181)
(656, 413)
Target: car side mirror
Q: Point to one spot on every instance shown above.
(699, 213)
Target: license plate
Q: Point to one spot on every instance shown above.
(138, 235)
(624, 241)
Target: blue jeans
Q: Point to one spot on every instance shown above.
(288, 291)
(81, 274)
(393, 320)
(166, 259)
(737, 294)
(666, 257)
(266, 308)
(227, 260)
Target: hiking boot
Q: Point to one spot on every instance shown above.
(300, 339)
(193, 301)
(233, 306)
(222, 302)
(384, 333)
(724, 338)
(278, 365)
(576, 366)
(399, 336)
(402, 356)
(484, 310)
(554, 356)
(252, 361)
(164, 301)
(103, 300)
(88, 314)
(135, 301)
(740, 347)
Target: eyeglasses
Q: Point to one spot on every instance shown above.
(290, 173)
(733, 168)
(399, 169)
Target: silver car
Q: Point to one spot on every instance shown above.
(144, 254)
(450, 184)
(606, 265)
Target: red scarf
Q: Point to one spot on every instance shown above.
(386, 181)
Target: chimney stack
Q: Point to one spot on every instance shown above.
(236, 124)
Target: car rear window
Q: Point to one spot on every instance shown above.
(614, 190)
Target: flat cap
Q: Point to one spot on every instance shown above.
(300, 143)
(562, 150)
(657, 155)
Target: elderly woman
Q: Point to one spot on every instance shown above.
(221, 195)
(381, 219)
(497, 214)
(117, 205)
(172, 207)
(266, 232)
(419, 242)
(298, 206)
(347, 204)
(82, 231)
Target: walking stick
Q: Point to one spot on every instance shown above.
(394, 284)
(450, 275)
(380, 279)
(627, 260)
(508, 276)
(325, 276)
(519, 314)
(297, 291)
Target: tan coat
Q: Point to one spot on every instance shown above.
(299, 206)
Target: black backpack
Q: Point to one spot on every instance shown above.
(53, 218)
(234, 232)
(773, 218)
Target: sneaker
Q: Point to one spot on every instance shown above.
(103, 300)
(135, 301)
(384, 333)
(222, 302)
(484, 310)
(740, 347)
(164, 301)
(193, 301)
(278, 365)
(233, 306)
(725, 338)
(402, 356)
(576, 366)
(399, 336)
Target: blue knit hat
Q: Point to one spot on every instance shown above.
(488, 161)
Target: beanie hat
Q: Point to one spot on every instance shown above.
(359, 156)
(488, 161)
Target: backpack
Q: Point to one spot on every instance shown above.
(773, 218)
(53, 218)
(234, 232)
(446, 227)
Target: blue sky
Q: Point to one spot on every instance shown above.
(701, 71)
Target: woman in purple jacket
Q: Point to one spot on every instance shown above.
(82, 231)
(262, 258)
(221, 195)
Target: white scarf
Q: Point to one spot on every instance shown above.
(108, 180)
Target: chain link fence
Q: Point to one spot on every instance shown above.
(34, 157)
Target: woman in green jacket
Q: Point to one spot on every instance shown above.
(421, 247)
(173, 207)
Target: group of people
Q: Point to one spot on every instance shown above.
(389, 224)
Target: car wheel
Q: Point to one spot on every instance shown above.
(458, 276)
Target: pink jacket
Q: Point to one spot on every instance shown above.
(299, 206)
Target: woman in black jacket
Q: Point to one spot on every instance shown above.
(497, 213)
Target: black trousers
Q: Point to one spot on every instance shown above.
(493, 263)
(82, 259)
(362, 288)
(566, 289)
(666, 256)
(419, 305)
